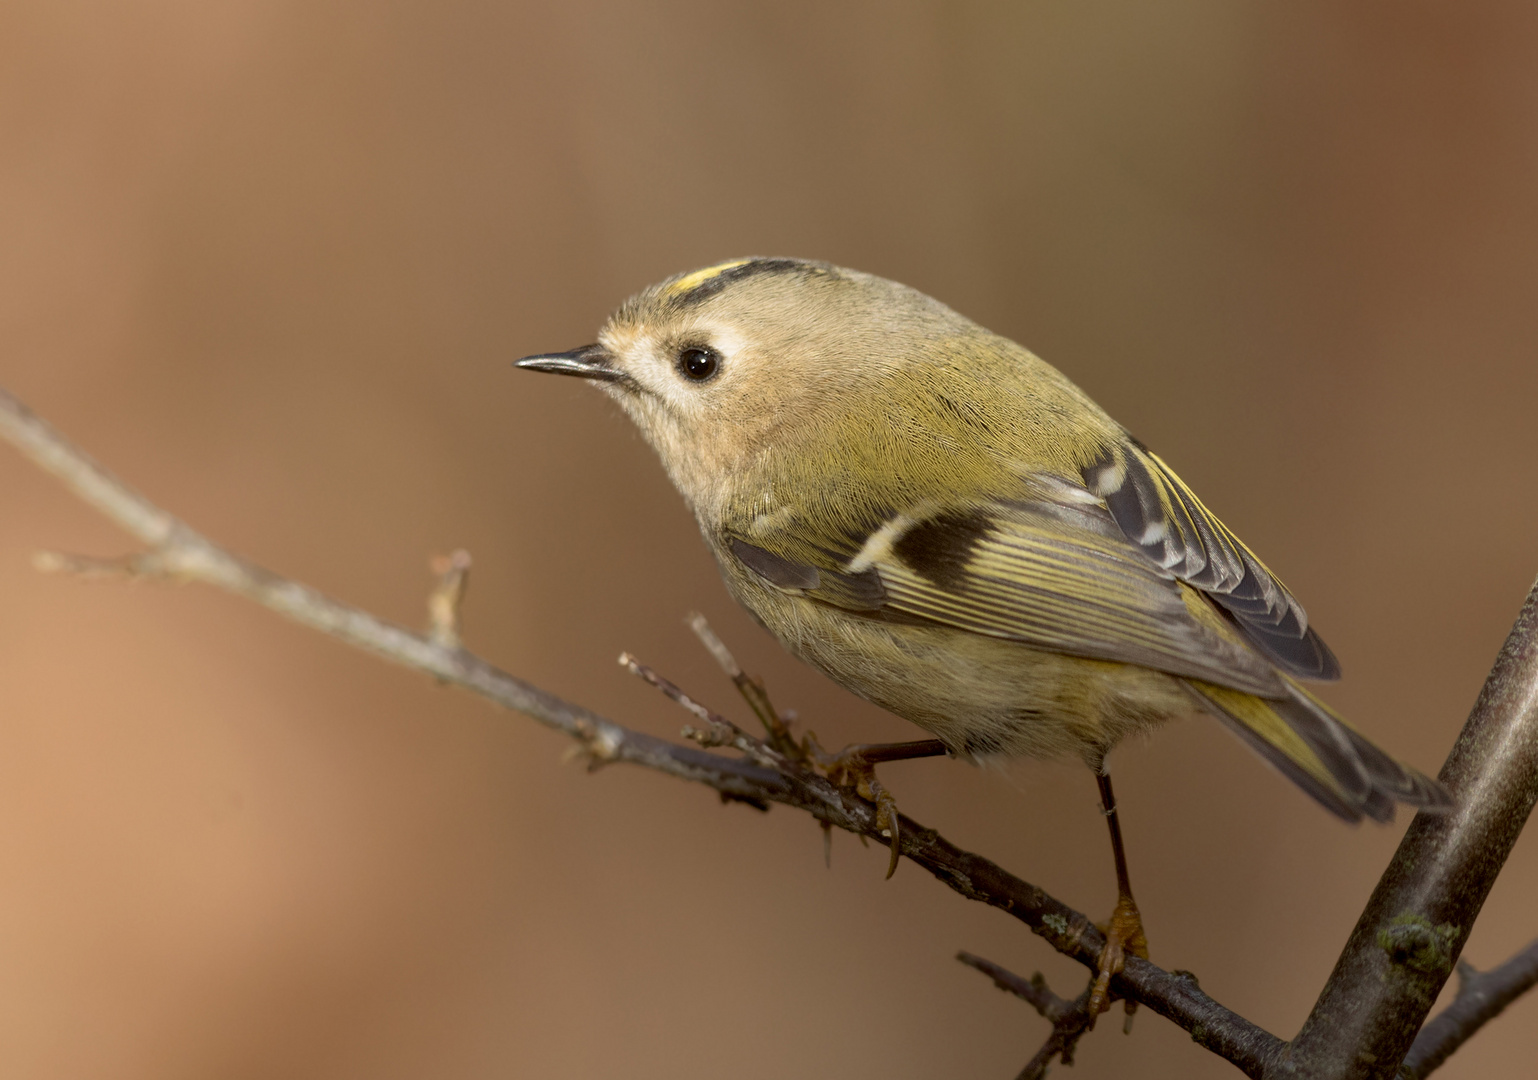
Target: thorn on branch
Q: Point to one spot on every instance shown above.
(443, 603)
(746, 800)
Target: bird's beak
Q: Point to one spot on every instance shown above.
(588, 362)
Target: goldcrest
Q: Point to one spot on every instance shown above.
(948, 527)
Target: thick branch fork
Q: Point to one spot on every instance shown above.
(770, 771)
(1406, 943)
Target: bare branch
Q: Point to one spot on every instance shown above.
(718, 730)
(1482, 995)
(1061, 1044)
(1033, 991)
(751, 689)
(714, 645)
(1070, 1019)
(177, 551)
(1409, 937)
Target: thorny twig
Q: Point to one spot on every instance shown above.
(852, 768)
(777, 724)
(718, 730)
(1069, 1019)
(751, 689)
(177, 552)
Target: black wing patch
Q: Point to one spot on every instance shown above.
(940, 547)
(1159, 513)
(1060, 578)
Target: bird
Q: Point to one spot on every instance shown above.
(948, 527)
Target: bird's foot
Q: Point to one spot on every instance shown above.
(1123, 935)
(850, 768)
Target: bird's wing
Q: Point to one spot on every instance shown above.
(1159, 513)
(1053, 571)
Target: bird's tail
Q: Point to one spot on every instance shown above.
(1321, 753)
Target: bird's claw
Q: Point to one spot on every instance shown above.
(1123, 935)
(849, 769)
(886, 817)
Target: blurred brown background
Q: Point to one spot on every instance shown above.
(270, 261)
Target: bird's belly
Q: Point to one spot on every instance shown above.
(981, 696)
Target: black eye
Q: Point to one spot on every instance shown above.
(698, 364)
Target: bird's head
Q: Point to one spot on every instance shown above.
(726, 367)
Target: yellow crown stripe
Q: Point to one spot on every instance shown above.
(699, 277)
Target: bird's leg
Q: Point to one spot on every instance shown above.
(1124, 931)
(855, 766)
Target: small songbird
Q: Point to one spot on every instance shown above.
(948, 527)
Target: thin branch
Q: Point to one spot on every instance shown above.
(1033, 991)
(1451, 859)
(714, 645)
(751, 689)
(718, 730)
(1070, 1019)
(1408, 939)
(1061, 1043)
(1482, 995)
(178, 552)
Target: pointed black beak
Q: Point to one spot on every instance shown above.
(588, 362)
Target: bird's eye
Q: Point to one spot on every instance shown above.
(698, 364)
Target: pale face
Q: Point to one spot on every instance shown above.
(688, 370)
(702, 391)
(720, 367)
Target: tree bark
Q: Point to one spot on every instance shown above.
(1409, 938)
